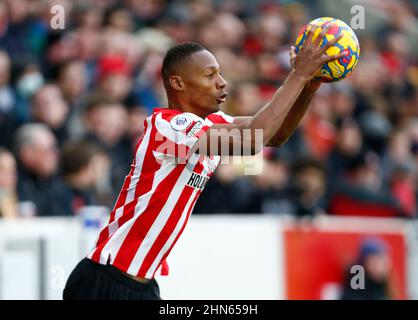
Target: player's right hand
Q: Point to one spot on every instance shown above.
(311, 56)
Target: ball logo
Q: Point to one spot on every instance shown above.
(181, 122)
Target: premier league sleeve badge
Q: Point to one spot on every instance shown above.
(181, 122)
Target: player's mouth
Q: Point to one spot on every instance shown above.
(222, 98)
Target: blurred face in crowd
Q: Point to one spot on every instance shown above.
(311, 181)
(200, 10)
(208, 35)
(116, 86)
(247, 99)
(349, 139)
(49, 106)
(108, 122)
(121, 19)
(86, 44)
(73, 80)
(378, 266)
(87, 176)
(147, 8)
(267, 66)
(137, 117)
(368, 175)
(91, 19)
(342, 104)
(232, 28)
(30, 81)
(40, 155)
(275, 174)
(272, 30)
(199, 83)
(399, 146)
(18, 9)
(7, 171)
(4, 68)
(235, 67)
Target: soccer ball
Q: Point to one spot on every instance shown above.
(340, 68)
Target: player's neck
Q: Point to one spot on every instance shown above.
(183, 106)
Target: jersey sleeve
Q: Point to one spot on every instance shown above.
(219, 117)
(176, 134)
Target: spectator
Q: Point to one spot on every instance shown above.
(228, 192)
(7, 98)
(378, 285)
(8, 120)
(50, 108)
(403, 187)
(308, 187)
(73, 80)
(105, 123)
(120, 18)
(8, 180)
(115, 48)
(22, 26)
(38, 184)
(349, 144)
(114, 78)
(317, 126)
(272, 185)
(359, 192)
(246, 99)
(137, 118)
(28, 78)
(78, 169)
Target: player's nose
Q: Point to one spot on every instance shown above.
(221, 83)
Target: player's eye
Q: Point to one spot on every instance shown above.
(210, 76)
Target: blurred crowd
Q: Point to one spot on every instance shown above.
(73, 103)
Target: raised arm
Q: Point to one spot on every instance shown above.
(294, 116)
(222, 139)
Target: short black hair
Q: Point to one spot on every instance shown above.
(178, 54)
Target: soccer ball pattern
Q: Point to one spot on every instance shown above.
(340, 68)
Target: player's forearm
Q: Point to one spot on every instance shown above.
(273, 115)
(295, 115)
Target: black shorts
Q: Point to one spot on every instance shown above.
(92, 281)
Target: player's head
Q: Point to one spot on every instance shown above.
(192, 78)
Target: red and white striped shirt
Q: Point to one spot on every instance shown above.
(158, 194)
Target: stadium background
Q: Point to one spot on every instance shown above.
(348, 173)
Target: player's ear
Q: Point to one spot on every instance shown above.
(176, 82)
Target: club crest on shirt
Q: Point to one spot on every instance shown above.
(181, 122)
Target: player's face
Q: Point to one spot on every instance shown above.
(205, 87)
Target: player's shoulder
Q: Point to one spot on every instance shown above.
(220, 117)
(176, 119)
(180, 121)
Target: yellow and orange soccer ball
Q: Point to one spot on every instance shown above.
(338, 69)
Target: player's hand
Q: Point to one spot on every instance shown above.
(311, 56)
(313, 84)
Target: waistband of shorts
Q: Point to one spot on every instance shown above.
(118, 276)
